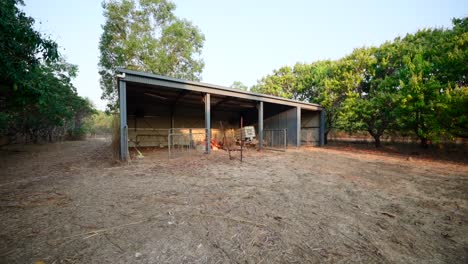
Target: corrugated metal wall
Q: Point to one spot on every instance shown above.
(310, 128)
(284, 120)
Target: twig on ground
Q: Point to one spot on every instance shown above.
(231, 219)
(99, 231)
(113, 243)
(388, 214)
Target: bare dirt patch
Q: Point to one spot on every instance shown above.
(70, 203)
(443, 152)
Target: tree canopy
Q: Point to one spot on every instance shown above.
(415, 85)
(239, 85)
(145, 35)
(36, 81)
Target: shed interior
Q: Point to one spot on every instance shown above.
(153, 110)
(159, 111)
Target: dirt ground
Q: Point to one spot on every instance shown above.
(70, 203)
(442, 152)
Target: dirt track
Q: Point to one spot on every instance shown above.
(69, 203)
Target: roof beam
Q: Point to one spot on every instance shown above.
(149, 79)
(180, 96)
(222, 101)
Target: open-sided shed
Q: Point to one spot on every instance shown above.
(153, 106)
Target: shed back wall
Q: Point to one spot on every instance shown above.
(152, 129)
(284, 120)
(310, 131)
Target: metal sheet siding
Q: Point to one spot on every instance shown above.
(284, 120)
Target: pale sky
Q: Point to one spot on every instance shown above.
(247, 39)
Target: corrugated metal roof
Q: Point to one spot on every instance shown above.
(153, 79)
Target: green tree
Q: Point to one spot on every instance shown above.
(306, 82)
(433, 82)
(100, 123)
(310, 80)
(370, 106)
(452, 69)
(239, 85)
(35, 80)
(454, 115)
(416, 85)
(47, 104)
(330, 91)
(281, 83)
(21, 47)
(373, 113)
(145, 35)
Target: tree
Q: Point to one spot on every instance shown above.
(46, 105)
(100, 123)
(310, 80)
(328, 91)
(454, 115)
(373, 113)
(416, 85)
(452, 69)
(281, 83)
(35, 79)
(370, 106)
(239, 85)
(21, 47)
(145, 35)
(434, 82)
(307, 82)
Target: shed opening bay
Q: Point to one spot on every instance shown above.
(153, 107)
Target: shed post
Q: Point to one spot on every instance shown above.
(123, 120)
(170, 141)
(260, 125)
(208, 122)
(172, 121)
(298, 126)
(322, 128)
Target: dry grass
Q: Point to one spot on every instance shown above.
(115, 136)
(309, 206)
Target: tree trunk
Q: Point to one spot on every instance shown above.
(376, 137)
(424, 142)
(325, 138)
(35, 137)
(51, 134)
(377, 141)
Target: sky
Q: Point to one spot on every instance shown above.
(246, 39)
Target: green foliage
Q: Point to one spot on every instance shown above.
(42, 102)
(239, 85)
(433, 71)
(370, 106)
(145, 35)
(454, 112)
(281, 83)
(100, 123)
(22, 48)
(415, 85)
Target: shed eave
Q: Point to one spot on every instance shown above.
(149, 78)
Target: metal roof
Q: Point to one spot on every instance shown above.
(164, 81)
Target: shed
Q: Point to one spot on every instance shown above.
(152, 107)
